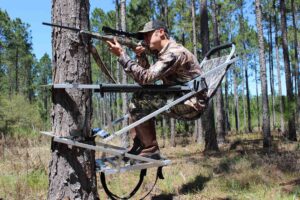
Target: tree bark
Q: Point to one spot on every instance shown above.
(71, 169)
(271, 66)
(278, 67)
(296, 63)
(125, 138)
(264, 86)
(196, 132)
(193, 8)
(220, 113)
(17, 71)
(248, 127)
(289, 86)
(257, 99)
(172, 139)
(207, 119)
(227, 122)
(243, 97)
(236, 102)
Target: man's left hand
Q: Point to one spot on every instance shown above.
(115, 47)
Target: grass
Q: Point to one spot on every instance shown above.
(241, 170)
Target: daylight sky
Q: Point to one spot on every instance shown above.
(34, 12)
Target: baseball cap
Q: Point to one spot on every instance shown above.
(153, 25)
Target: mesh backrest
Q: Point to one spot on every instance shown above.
(212, 63)
(214, 77)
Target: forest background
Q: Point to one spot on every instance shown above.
(260, 95)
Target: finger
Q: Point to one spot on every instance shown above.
(115, 40)
(109, 43)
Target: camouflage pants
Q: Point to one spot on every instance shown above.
(142, 104)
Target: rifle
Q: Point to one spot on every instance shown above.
(124, 38)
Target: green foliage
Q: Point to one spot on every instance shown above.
(18, 116)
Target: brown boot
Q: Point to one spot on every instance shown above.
(147, 136)
(136, 147)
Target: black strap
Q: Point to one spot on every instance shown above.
(159, 175)
(142, 175)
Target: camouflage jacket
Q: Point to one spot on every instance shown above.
(175, 65)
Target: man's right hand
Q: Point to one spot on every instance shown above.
(139, 50)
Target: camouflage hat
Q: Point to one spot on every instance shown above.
(153, 25)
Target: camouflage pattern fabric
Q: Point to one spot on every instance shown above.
(142, 104)
(175, 65)
(214, 79)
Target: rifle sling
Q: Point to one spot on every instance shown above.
(101, 64)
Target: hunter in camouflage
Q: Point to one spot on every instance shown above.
(175, 65)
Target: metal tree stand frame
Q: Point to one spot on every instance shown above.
(113, 161)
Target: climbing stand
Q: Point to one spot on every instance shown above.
(116, 159)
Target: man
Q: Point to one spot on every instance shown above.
(175, 65)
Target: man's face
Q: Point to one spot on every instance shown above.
(153, 39)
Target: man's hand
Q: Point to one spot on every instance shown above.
(139, 50)
(115, 47)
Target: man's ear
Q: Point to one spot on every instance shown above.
(162, 33)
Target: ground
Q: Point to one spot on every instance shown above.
(241, 170)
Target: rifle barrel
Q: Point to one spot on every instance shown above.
(61, 26)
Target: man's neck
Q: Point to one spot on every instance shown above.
(163, 44)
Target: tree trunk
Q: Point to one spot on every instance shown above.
(289, 86)
(193, 8)
(271, 73)
(264, 86)
(236, 102)
(71, 169)
(196, 132)
(227, 123)
(164, 131)
(247, 125)
(220, 113)
(243, 96)
(125, 138)
(248, 98)
(207, 119)
(257, 99)
(17, 71)
(296, 64)
(281, 107)
(119, 69)
(172, 140)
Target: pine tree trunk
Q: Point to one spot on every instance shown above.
(257, 99)
(207, 119)
(195, 134)
(227, 123)
(194, 28)
(245, 71)
(71, 169)
(220, 113)
(164, 131)
(264, 87)
(172, 139)
(296, 64)
(17, 71)
(271, 73)
(243, 97)
(248, 98)
(289, 86)
(125, 138)
(119, 69)
(278, 66)
(236, 102)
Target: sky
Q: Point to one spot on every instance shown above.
(34, 12)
